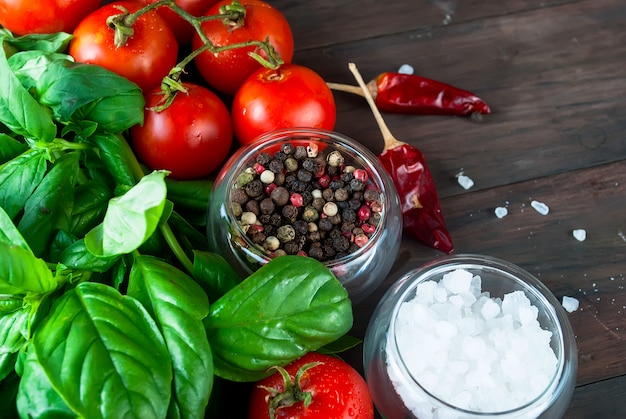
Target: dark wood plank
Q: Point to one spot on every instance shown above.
(553, 76)
(592, 199)
(600, 400)
(324, 23)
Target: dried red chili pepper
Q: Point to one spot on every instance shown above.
(411, 94)
(421, 210)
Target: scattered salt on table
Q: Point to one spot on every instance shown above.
(406, 69)
(540, 207)
(580, 234)
(501, 212)
(570, 304)
(465, 181)
(467, 347)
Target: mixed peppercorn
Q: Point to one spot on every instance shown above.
(306, 201)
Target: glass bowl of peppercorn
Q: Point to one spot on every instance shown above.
(307, 192)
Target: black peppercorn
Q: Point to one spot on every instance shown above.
(239, 196)
(263, 158)
(254, 188)
(290, 213)
(280, 196)
(253, 206)
(276, 166)
(301, 227)
(267, 206)
(325, 224)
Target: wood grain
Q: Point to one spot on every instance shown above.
(553, 73)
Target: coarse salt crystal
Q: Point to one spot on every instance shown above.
(570, 304)
(406, 69)
(501, 212)
(540, 207)
(580, 234)
(470, 355)
(465, 181)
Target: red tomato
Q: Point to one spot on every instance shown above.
(190, 138)
(148, 55)
(181, 28)
(23, 17)
(337, 391)
(292, 96)
(227, 70)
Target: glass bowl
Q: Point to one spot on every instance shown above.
(373, 243)
(477, 354)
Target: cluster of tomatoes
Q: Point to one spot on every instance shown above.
(234, 98)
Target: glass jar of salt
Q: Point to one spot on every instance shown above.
(470, 336)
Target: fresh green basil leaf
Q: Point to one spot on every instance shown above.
(49, 208)
(7, 368)
(104, 354)
(130, 219)
(49, 42)
(10, 148)
(192, 237)
(90, 204)
(28, 67)
(290, 306)
(77, 91)
(178, 305)
(118, 158)
(21, 272)
(13, 325)
(9, 234)
(36, 397)
(189, 194)
(19, 111)
(19, 178)
(214, 274)
(76, 256)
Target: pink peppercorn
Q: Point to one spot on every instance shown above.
(361, 175)
(296, 200)
(269, 188)
(255, 228)
(258, 168)
(364, 213)
(361, 240)
(324, 181)
(368, 228)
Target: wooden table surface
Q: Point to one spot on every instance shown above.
(554, 75)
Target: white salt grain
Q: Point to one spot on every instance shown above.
(570, 304)
(465, 181)
(406, 69)
(540, 207)
(580, 234)
(501, 212)
(466, 347)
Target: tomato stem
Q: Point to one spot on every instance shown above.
(232, 14)
(292, 390)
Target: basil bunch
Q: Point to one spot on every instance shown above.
(111, 304)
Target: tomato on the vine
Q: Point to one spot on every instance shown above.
(146, 57)
(182, 29)
(227, 70)
(23, 17)
(191, 137)
(335, 390)
(288, 97)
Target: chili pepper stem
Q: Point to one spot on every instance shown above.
(357, 90)
(390, 141)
